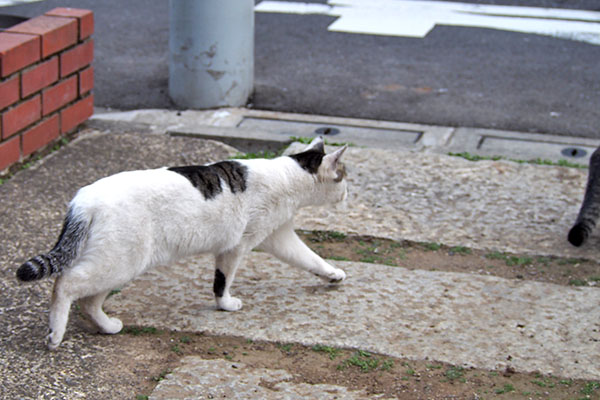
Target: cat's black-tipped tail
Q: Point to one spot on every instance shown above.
(590, 208)
(74, 232)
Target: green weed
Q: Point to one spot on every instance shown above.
(331, 351)
(285, 347)
(140, 330)
(431, 246)
(361, 359)
(259, 154)
(507, 388)
(176, 349)
(454, 373)
(307, 140)
(460, 250)
(589, 388)
(577, 282)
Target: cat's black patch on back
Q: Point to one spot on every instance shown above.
(309, 160)
(207, 178)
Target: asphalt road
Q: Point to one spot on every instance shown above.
(456, 76)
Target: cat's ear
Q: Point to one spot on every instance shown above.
(334, 157)
(316, 144)
(334, 165)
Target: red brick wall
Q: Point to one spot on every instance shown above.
(46, 81)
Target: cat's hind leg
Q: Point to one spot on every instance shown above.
(92, 307)
(287, 246)
(226, 266)
(60, 305)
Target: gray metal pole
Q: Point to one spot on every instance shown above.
(211, 52)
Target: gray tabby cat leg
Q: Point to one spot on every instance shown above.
(226, 266)
(92, 307)
(289, 248)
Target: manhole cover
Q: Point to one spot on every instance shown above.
(574, 152)
(327, 130)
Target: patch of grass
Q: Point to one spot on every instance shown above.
(331, 351)
(589, 388)
(570, 261)
(113, 292)
(324, 236)
(141, 397)
(537, 161)
(519, 261)
(474, 157)
(185, 339)
(577, 282)
(387, 365)
(259, 154)
(285, 347)
(454, 373)
(432, 246)
(361, 359)
(512, 261)
(176, 349)
(507, 388)
(307, 140)
(460, 250)
(139, 330)
(338, 258)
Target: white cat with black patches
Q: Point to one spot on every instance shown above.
(125, 224)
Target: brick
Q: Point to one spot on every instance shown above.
(76, 58)
(58, 95)
(39, 77)
(17, 51)
(41, 134)
(21, 116)
(57, 33)
(9, 91)
(85, 19)
(86, 80)
(10, 152)
(74, 115)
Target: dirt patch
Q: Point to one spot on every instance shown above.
(437, 257)
(356, 369)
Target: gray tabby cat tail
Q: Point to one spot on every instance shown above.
(74, 232)
(590, 208)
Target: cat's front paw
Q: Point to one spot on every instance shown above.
(336, 276)
(229, 303)
(113, 326)
(53, 341)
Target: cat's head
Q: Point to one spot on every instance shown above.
(327, 170)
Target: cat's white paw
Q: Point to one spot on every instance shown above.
(53, 341)
(336, 276)
(113, 327)
(229, 303)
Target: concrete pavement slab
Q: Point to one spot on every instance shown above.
(219, 379)
(491, 205)
(463, 319)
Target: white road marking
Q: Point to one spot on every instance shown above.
(412, 18)
(8, 3)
